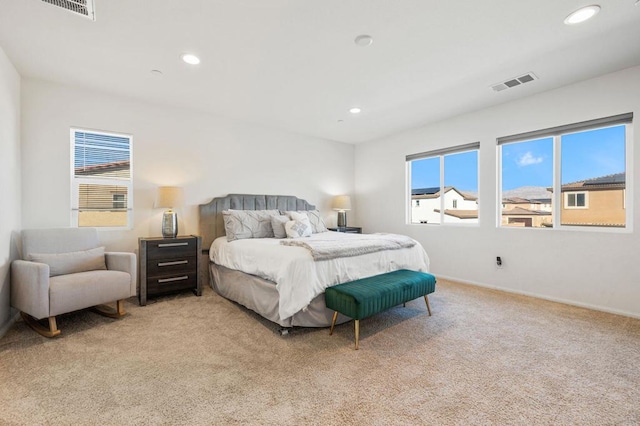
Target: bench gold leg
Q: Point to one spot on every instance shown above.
(333, 322)
(426, 299)
(357, 331)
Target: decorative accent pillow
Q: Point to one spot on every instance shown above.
(241, 224)
(72, 262)
(317, 223)
(298, 228)
(277, 223)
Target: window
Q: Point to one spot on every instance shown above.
(575, 200)
(443, 185)
(119, 201)
(569, 176)
(101, 184)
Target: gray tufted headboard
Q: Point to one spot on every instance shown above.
(212, 223)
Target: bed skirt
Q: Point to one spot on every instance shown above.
(261, 296)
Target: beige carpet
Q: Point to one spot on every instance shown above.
(484, 357)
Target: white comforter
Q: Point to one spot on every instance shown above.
(299, 278)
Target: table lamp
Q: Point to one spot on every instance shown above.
(169, 197)
(342, 203)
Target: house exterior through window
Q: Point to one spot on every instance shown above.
(574, 175)
(101, 179)
(443, 185)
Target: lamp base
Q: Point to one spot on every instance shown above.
(342, 219)
(169, 224)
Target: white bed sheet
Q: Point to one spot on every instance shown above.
(299, 279)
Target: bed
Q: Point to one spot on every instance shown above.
(291, 295)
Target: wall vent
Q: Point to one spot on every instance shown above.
(84, 8)
(513, 82)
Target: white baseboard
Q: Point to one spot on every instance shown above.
(544, 297)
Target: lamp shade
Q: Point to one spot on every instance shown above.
(169, 197)
(342, 203)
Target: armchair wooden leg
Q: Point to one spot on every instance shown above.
(110, 312)
(52, 331)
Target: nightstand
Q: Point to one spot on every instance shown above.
(167, 265)
(347, 229)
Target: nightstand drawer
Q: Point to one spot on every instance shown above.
(168, 266)
(172, 282)
(171, 248)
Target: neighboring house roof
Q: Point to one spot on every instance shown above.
(614, 181)
(542, 200)
(434, 192)
(460, 214)
(103, 168)
(519, 211)
(518, 200)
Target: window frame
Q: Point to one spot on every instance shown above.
(440, 154)
(76, 182)
(558, 199)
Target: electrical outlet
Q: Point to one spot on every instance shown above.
(499, 262)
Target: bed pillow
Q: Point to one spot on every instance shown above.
(72, 262)
(277, 223)
(317, 223)
(298, 228)
(241, 224)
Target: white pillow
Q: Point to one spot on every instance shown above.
(72, 262)
(317, 223)
(298, 228)
(278, 223)
(241, 224)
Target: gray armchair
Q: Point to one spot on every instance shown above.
(65, 270)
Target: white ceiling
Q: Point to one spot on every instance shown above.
(293, 64)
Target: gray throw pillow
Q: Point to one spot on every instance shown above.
(72, 262)
(277, 223)
(241, 224)
(317, 223)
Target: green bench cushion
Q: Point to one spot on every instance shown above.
(367, 296)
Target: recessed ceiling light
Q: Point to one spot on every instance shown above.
(582, 15)
(190, 58)
(364, 40)
(355, 110)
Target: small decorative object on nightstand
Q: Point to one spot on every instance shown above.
(347, 229)
(169, 197)
(342, 203)
(169, 264)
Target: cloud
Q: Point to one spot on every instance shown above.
(528, 159)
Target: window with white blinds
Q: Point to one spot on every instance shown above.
(101, 179)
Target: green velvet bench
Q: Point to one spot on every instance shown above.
(362, 298)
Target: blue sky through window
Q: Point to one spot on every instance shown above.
(460, 171)
(585, 155)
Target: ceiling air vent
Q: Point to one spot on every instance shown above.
(517, 81)
(84, 8)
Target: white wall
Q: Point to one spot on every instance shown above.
(207, 155)
(9, 180)
(595, 269)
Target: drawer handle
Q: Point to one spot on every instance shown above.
(172, 244)
(168, 280)
(177, 262)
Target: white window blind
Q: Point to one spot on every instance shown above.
(101, 179)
